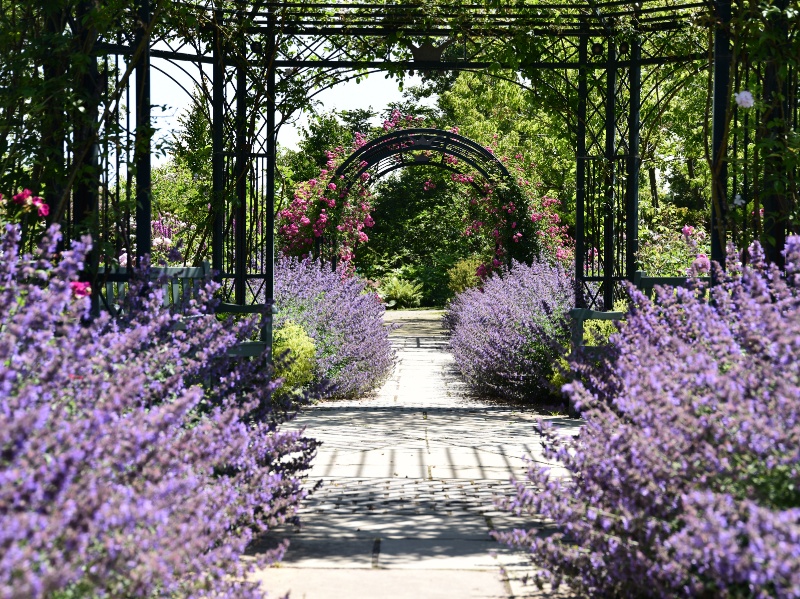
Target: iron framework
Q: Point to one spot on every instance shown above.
(617, 59)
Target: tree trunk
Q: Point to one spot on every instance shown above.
(653, 186)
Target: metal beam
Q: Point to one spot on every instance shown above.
(775, 123)
(272, 150)
(240, 180)
(633, 163)
(719, 142)
(453, 65)
(609, 254)
(580, 177)
(144, 137)
(218, 148)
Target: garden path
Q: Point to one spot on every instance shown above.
(408, 479)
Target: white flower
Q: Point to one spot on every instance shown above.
(744, 99)
(738, 200)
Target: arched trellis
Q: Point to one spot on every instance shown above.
(609, 54)
(416, 147)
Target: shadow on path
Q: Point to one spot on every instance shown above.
(409, 478)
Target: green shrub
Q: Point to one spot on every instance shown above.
(298, 370)
(399, 293)
(462, 275)
(596, 333)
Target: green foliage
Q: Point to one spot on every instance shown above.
(663, 249)
(435, 216)
(399, 293)
(498, 109)
(596, 333)
(462, 275)
(297, 370)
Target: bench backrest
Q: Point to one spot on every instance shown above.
(182, 283)
(646, 284)
(642, 282)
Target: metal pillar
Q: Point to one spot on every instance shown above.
(774, 123)
(240, 178)
(609, 255)
(272, 143)
(218, 147)
(144, 134)
(580, 176)
(85, 197)
(633, 164)
(719, 145)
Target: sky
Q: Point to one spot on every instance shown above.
(374, 91)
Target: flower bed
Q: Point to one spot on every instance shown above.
(121, 473)
(352, 346)
(686, 478)
(507, 335)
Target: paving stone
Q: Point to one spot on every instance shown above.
(383, 584)
(410, 477)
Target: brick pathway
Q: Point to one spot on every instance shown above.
(408, 480)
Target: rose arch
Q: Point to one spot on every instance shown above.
(414, 147)
(330, 215)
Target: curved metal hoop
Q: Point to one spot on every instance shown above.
(416, 147)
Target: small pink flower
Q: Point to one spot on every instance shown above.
(701, 263)
(80, 289)
(43, 208)
(688, 231)
(22, 197)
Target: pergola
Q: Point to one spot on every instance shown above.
(612, 54)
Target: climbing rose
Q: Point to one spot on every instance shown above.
(80, 289)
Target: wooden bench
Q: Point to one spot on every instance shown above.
(182, 283)
(579, 316)
(647, 284)
(642, 282)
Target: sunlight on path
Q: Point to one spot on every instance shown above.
(409, 475)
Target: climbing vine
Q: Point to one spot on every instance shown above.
(510, 217)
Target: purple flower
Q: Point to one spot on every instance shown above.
(744, 99)
(343, 318)
(123, 472)
(507, 336)
(684, 480)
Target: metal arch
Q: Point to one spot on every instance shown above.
(391, 151)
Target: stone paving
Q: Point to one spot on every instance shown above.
(408, 479)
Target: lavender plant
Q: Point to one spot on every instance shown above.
(122, 474)
(507, 335)
(353, 352)
(685, 480)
